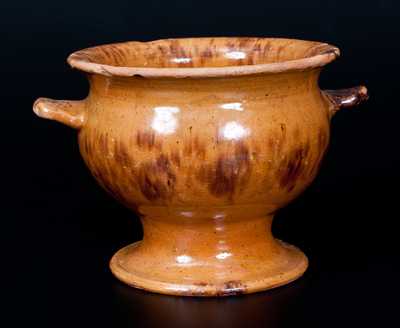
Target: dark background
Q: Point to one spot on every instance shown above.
(60, 229)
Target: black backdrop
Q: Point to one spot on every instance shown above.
(60, 229)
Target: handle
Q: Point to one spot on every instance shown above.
(345, 98)
(68, 112)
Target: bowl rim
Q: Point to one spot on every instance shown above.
(324, 54)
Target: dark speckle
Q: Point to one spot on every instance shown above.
(162, 50)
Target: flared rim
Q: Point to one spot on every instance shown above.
(89, 60)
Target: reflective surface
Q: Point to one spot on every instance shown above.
(259, 310)
(164, 120)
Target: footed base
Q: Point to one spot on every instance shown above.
(186, 276)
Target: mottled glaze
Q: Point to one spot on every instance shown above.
(205, 139)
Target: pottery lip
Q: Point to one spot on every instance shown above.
(324, 53)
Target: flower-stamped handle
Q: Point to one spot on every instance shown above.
(345, 98)
(68, 112)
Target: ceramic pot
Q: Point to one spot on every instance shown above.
(205, 139)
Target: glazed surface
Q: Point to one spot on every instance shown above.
(256, 140)
(203, 57)
(203, 52)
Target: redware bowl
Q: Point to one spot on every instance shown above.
(204, 138)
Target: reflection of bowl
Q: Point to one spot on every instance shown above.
(276, 308)
(205, 138)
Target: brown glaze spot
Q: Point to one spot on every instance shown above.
(175, 158)
(279, 51)
(231, 172)
(156, 179)
(177, 51)
(276, 142)
(257, 47)
(188, 149)
(207, 53)
(121, 154)
(243, 42)
(282, 139)
(233, 287)
(250, 60)
(199, 148)
(117, 53)
(231, 45)
(114, 173)
(229, 288)
(225, 177)
(294, 167)
(86, 147)
(266, 49)
(147, 140)
(174, 49)
(321, 49)
(195, 147)
(271, 143)
(201, 284)
(162, 50)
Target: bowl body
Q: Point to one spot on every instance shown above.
(188, 144)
